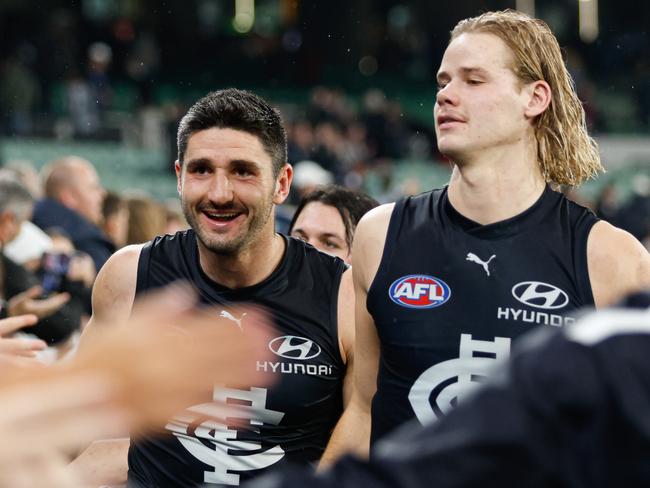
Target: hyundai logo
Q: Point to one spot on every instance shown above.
(540, 295)
(294, 347)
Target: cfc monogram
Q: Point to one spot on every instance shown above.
(216, 445)
(464, 372)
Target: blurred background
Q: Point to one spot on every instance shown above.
(108, 80)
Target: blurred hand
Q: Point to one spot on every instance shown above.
(28, 302)
(41, 418)
(171, 352)
(23, 347)
(135, 375)
(82, 268)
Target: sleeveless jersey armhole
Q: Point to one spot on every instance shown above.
(142, 278)
(394, 227)
(582, 263)
(334, 309)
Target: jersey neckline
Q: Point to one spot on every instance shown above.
(270, 280)
(504, 228)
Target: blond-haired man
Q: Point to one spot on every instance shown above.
(446, 280)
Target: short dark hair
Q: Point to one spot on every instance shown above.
(350, 204)
(239, 110)
(113, 203)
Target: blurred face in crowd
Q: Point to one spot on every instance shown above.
(480, 103)
(85, 194)
(116, 226)
(228, 190)
(11, 221)
(322, 226)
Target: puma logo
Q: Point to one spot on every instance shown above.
(229, 316)
(475, 259)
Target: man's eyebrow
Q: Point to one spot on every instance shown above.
(474, 70)
(197, 161)
(327, 235)
(469, 70)
(245, 162)
(233, 162)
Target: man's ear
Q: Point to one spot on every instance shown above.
(539, 98)
(67, 198)
(179, 172)
(283, 184)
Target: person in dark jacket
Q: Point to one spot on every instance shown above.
(73, 203)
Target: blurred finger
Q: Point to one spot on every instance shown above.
(12, 324)
(21, 346)
(49, 305)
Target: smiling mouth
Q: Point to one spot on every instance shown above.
(221, 216)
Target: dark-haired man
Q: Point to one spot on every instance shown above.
(327, 217)
(232, 171)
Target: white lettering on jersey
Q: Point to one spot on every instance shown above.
(414, 292)
(467, 369)
(222, 450)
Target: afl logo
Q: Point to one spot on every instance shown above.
(294, 347)
(540, 295)
(419, 291)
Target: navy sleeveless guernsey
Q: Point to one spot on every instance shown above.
(290, 421)
(450, 295)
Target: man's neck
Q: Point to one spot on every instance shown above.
(495, 187)
(246, 268)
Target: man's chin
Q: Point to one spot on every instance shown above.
(225, 246)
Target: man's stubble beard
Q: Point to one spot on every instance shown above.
(239, 243)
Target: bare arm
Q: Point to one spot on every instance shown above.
(352, 433)
(618, 264)
(345, 313)
(105, 461)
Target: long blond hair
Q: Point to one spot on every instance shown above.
(566, 153)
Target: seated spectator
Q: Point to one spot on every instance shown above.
(116, 218)
(73, 202)
(327, 217)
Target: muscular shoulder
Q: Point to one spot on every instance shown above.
(618, 264)
(114, 288)
(369, 240)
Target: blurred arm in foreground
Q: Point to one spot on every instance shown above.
(48, 410)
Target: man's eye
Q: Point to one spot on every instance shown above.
(474, 82)
(332, 245)
(243, 173)
(199, 170)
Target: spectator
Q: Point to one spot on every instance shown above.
(147, 219)
(58, 315)
(73, 202)
(116, 219)
(327, 217)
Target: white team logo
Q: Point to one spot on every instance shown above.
(227, 315)
(540, 295)
(215, 444)
(294, 347)
(466, 370)
(475, 259)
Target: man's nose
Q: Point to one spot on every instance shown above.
(447, 94)
(221, 190)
